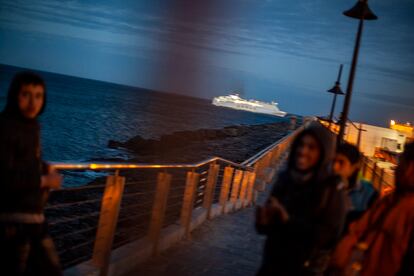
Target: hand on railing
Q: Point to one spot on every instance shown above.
(53, 181)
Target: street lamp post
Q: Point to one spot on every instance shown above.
(360, 130)
(362, 12)
(336, 90)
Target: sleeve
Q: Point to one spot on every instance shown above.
(277, 189)
(279, 185)
(261, 228)
(17, 176)
(373, 198)
(44, 167)
(326, 229)
(22, 179)
(407, 267)
(330, 225)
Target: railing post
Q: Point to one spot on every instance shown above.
(225, 187)
(267, 159)
(374, 174)
(260, 183)
(368, 174)
(238, 175)
(269, 170)
(243, 191)
(380, 181)
(158, 209)
(282, 147)
(364, 166)
(275, 156)
(108, 218)
(259, 167)
(210, 187)
(288, 143)
(188, 201)
(250, 188)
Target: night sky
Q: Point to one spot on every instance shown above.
(288, 51)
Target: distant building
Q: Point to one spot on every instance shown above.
(379, 141)
(406, 128)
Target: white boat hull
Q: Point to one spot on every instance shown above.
(251, 106)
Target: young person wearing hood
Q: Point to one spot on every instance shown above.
(304, 215)
(25, 181)
(382, 241)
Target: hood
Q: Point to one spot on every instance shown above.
(327, 142)
(12, 106)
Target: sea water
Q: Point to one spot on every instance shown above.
(82, 115)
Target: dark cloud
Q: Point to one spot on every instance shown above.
(273, 42)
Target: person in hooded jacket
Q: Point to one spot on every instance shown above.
(382, 241)
(304, 216)
(25, 247)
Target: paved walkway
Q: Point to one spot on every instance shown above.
(226, 245)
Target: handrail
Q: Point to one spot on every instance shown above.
(126, 166)
(260, 154)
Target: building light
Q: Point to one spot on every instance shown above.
(392, 122)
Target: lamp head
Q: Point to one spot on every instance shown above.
(361, 10)
(336, 89)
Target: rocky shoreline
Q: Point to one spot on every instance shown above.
(235, 143)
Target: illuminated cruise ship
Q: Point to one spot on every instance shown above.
(236, 102)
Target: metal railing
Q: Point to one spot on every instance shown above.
(382, 179)
(135, 166)
(139, 200)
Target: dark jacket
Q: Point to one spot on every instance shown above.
(361, 197)
(317, 210)
(20, 165)
(387, 229)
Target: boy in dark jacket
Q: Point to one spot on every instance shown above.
(25, 247)
(304, 216)
(361, 193)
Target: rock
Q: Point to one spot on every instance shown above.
(172, 140)
(210, 134)
(174, 143)
(231, 132)
(136, 142)
(114, 144)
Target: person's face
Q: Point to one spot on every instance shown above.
(404, 173)
(343, 167)
(30, 100)
(307, 153)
